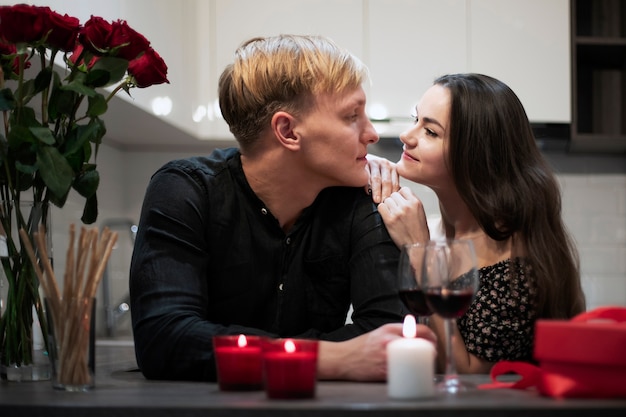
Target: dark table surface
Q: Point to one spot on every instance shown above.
(122, 391)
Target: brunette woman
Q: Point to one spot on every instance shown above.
(473, 145)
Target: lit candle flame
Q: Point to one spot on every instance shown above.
(290, 347)
(242, 341)
(409, 328)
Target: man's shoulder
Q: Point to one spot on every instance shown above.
(211, 164)
(346, 202)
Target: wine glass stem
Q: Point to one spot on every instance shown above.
(450, 363)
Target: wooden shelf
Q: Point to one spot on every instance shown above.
(597, 143)
(598, 75)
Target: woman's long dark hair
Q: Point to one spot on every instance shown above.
(510, 188)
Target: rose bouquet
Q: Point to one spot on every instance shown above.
(52, 131)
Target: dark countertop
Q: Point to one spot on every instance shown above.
(122, 391)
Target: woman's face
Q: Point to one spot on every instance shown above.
(423, 159)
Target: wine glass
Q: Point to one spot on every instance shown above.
(450, 280)
(409, 281)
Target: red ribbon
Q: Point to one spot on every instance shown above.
(561, 380)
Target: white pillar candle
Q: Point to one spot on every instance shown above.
(410, 365)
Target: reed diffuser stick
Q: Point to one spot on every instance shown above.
(71, 313)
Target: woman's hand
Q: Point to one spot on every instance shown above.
(404, 217)
(384, 178)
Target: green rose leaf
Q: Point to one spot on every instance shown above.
(114, 67)
(97, 106)
(26, 93)
(80, 135)
(19, 136)
(25, 168)
(77, 86)
(43, 134)
(101, 131)
(42, 81)
(90, 212)
(98, 78)
(7, 101)
(27, 118)
(54, 169)
(24, 176)
(86, 184)
(61, 103)
(58, 201)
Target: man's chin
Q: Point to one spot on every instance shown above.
(354, 183)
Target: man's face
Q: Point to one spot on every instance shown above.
(335, 135)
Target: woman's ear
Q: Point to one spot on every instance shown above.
(283, 125)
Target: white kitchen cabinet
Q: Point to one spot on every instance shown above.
(526, 44)
(409, 44)
(238, 20)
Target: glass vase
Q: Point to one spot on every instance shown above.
(23, 344)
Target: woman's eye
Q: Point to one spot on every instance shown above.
(430, 132)
(415, 118)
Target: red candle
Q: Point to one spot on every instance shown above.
(290, 367)
(238, 360)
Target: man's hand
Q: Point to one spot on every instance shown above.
(363, 358)
(384, 178)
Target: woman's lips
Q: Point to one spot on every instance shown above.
(409, 157)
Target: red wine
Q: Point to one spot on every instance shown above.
(449, 304)
(415, 301)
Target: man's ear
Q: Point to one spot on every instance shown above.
(283, 125)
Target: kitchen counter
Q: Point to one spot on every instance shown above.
(122, 391)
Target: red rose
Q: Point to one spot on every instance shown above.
(9, 60)
(9, 64)
(95, 35)
(76, 54)
(22, 23)
(7, 48)
(63, 31)
(149, 69)
(134, 42)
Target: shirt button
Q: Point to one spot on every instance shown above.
(264, 211)
(280, 287)
(288, 240)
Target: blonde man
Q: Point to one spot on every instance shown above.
(276, 237)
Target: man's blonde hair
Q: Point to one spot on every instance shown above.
(282, 72)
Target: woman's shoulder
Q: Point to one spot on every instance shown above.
(510, 273)
(517, 264)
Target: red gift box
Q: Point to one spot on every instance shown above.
(583, 357)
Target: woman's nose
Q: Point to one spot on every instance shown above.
(408, 137)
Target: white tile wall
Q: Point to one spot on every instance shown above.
(594, 209)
